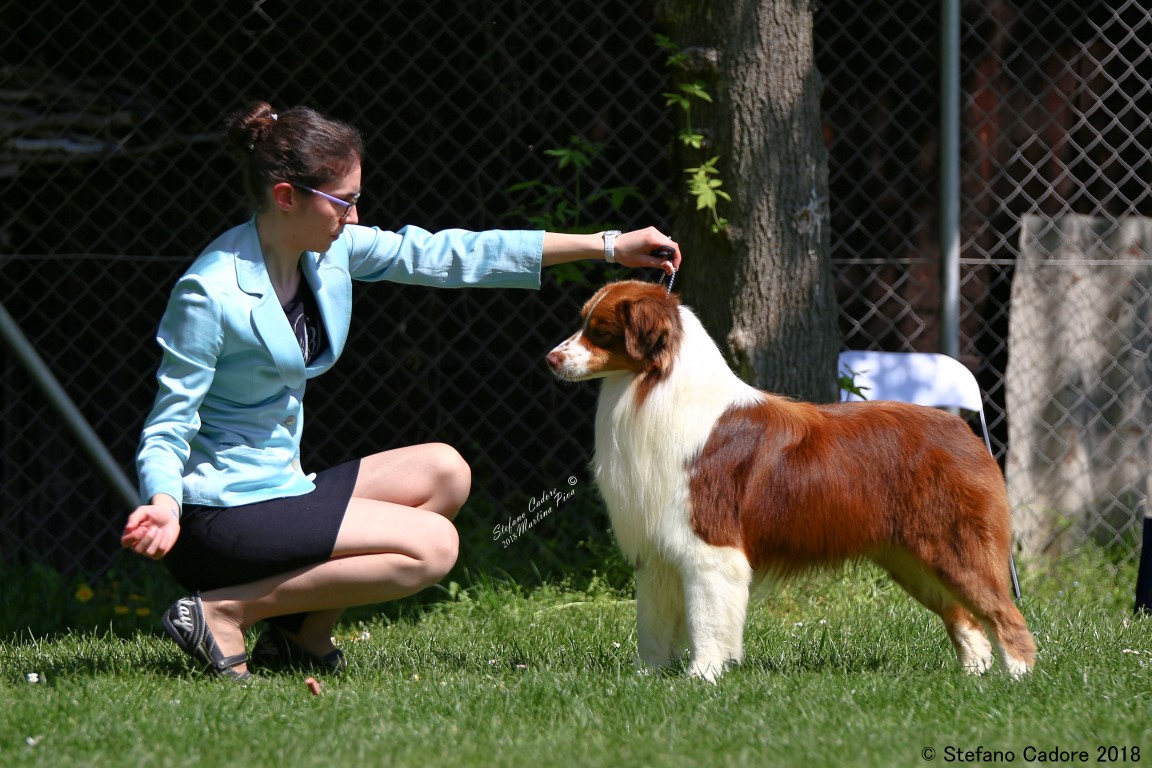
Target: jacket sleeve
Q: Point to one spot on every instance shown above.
(452, 258)
(191, 340)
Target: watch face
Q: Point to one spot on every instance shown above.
(609, 245)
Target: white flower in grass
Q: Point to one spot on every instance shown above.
(33, 677)
(616, 645)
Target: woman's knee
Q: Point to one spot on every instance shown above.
(452, 479)
(433, 556)
(443, 549)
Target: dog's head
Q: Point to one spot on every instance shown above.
(628, 327)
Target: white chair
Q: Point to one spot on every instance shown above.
(923, 378)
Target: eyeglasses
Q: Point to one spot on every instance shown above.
(345, 206)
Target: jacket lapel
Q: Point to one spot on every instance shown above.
(333, 291)
(268, 318)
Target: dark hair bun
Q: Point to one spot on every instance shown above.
(249, 126)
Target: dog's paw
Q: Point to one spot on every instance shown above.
(709, 671)
(973, 650)
(1016, 668)
(648, 667)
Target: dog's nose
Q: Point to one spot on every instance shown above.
(554, 359)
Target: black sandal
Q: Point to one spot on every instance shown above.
(184, 622)
(276, 651)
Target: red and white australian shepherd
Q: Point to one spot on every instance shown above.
(712, 485)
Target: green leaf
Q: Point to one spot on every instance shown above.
(696, 89)
(621, 194)
(689, 139)
(847, 382)
(565, 156)
(616, 196)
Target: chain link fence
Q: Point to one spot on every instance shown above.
(112, 179)
(1054, 105)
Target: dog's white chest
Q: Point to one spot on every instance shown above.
(643, 458)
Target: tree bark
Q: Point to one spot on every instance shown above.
(762, 285)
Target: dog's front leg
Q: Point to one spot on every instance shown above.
(716, 588)
(659, 613)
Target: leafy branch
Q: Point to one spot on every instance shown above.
(703, 181)
(565, 207)
(847, 382)
(703, 185)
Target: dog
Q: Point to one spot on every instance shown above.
(713, 486)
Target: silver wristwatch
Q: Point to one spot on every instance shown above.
(610, 245)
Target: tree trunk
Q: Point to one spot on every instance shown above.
(762, 284)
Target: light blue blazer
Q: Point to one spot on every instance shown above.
(225, 428)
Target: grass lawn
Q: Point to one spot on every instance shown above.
(841, 669)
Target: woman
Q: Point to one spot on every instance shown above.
(265, 307)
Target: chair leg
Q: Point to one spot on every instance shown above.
(1144, 574)
(1015, 578)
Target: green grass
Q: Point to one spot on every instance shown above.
(841, 670)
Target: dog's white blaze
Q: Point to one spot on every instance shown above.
(576, 358)
(595, 303)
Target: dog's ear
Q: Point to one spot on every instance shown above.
(650, 323)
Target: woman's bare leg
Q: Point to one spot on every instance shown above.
(396, 539)
(433, 477)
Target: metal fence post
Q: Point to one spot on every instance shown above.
(73, 418)
(950, 177)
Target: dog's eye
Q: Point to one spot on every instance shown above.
(598, 336)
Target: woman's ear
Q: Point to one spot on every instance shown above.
(283, 196)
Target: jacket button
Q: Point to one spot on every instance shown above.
(290, 421)
(296, 464)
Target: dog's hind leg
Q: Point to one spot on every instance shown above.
(1014, 642)
(973, 650)
(968, 595)
(659, 613)
(984, 590)
(716, 587)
